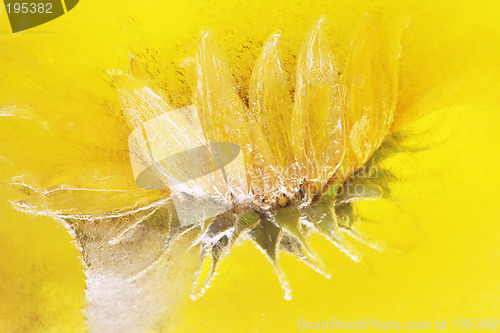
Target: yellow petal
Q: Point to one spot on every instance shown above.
(139, 102)
(222, 112)
(317, 124)
(271, 105)
(225, 118)
(371, 83)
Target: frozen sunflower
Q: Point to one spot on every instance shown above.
(308, 143)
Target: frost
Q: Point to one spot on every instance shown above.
(15, 111)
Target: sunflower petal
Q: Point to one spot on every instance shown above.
(371, 82)
(317, 122)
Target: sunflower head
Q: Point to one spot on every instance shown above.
(286, 160)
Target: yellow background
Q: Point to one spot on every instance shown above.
(444, 228)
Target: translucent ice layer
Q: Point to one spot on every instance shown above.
(288, 161)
